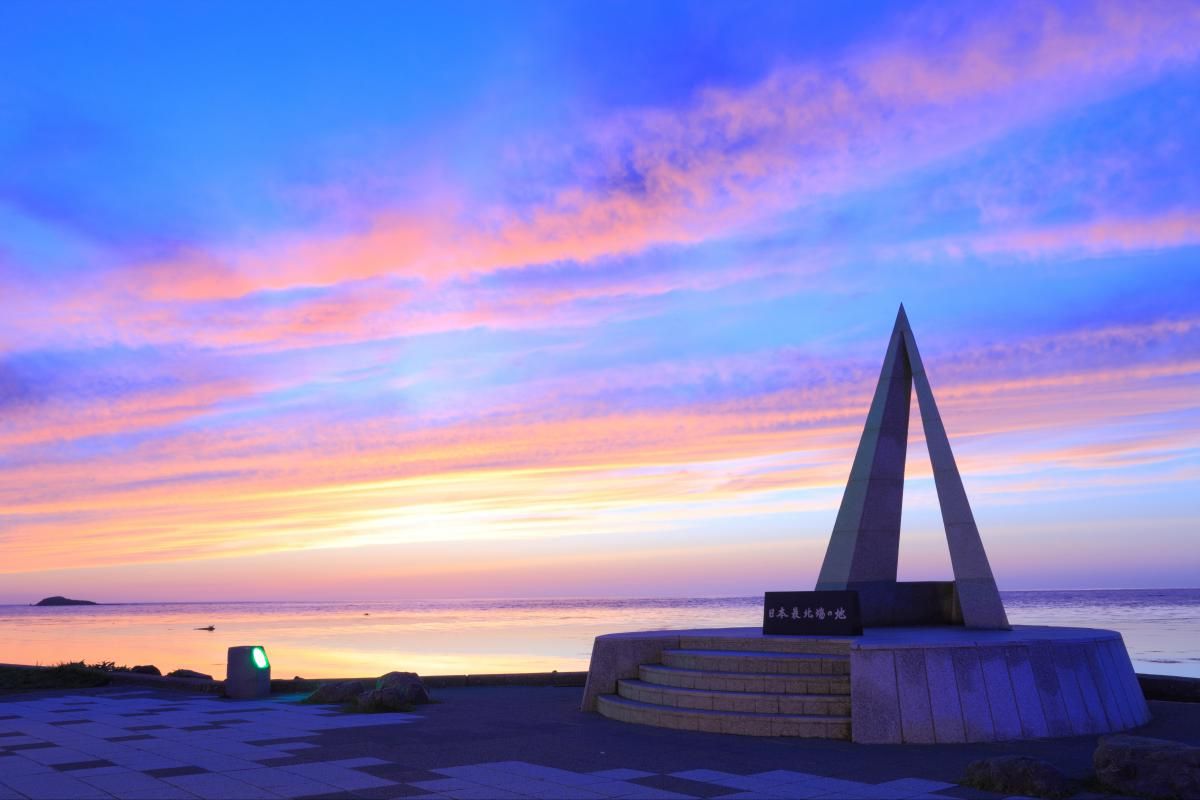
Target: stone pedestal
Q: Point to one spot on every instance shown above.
(943, 684)
(946, 684)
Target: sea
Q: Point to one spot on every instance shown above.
(1161, 629)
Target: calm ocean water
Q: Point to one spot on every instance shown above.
(1161, 628)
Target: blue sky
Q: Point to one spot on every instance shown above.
(545, 293)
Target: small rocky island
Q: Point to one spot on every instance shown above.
(58, 600)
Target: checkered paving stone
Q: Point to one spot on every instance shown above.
(133, 745)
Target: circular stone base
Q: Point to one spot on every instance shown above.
(939, 684)
(958, 685)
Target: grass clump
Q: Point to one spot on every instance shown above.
(70, 675)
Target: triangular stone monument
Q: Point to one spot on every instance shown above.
(865, 546)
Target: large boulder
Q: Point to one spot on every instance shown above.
(339, 692)
(145, 669)
(189, 673)
(409, 682)
(391, 698)
(1145, 767)
(1019, 775)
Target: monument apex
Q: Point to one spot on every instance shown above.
(864, 548)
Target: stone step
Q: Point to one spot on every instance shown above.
(735, 722)
(758, 662)
(744, 681)
(820, 705)
(768, 644)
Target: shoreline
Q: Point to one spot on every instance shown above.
(632, 598)
(552, 678)
(1171, 688)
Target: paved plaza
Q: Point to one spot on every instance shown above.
(483, 742)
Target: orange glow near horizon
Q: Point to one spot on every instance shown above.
(550, 319)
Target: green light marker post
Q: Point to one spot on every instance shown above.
(247, 673)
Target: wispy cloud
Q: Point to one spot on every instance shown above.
(1087, 239)
(310, 481)
(659, 324)
(726, 159)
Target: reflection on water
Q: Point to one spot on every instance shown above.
(1161, 629)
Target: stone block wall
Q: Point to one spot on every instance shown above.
(996, 689)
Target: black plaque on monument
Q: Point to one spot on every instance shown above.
(811, 614)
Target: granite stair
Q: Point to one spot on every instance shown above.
(790, 686)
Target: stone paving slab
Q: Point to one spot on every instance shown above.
(518, 742)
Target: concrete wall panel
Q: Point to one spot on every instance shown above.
(1137, 700)
(943, 697)
(619, 656)
(916, 716)
(1116, 688)
(1108, 702)
(1026, 693)
(972, 696)
(1098, 721)
(1081, 720)
(1050, 691)
(874, 701)
(1005, 718)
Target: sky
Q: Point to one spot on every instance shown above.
(390, 300)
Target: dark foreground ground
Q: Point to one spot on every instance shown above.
(477, 742)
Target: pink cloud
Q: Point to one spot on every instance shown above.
(307, 479)
(1111, 235)
(1103, 235)
(725, 162)
(735, 155)
(62, 421)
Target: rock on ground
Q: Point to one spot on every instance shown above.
(395, 691)
(391, 698)
(189, 673)
(1145, 767)
(145, 669)
(1020, 775)
(409, 682)
(339, 692)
